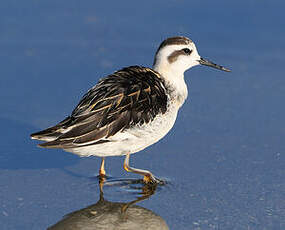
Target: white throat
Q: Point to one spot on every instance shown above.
(174, 80)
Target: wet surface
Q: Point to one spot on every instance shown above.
(115, 215)
(223, 161)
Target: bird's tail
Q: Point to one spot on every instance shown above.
(51, 133)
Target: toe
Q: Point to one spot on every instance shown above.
(150, 179)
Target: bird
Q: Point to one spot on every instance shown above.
(130, 109)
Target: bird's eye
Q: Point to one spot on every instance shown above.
(187, 51)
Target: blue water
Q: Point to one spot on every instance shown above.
(224, 160)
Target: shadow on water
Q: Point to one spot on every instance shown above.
(115, 215)
(18, 151)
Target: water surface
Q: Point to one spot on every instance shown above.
(224, 159)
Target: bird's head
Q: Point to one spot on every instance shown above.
(178, 54)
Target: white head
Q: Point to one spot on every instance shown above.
(175, 55)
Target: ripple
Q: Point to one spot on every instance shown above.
(127, 188)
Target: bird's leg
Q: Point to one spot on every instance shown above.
(148, 177)
(102, 172)
(101, 185)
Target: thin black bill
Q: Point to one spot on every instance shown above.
(203, 61)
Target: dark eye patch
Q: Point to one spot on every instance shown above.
(175, 54)
(187, 51)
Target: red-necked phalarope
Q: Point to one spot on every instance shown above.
(130, 109)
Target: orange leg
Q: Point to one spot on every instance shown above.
(148, 177)
(102, 172)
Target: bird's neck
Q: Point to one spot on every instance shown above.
(174, 80)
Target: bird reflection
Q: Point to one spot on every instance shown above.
(106, 215)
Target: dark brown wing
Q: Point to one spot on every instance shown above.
(131, 96)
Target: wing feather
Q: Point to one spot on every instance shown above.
(131, 96)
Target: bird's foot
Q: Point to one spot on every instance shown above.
(102, 173)
(102, 176)
(149, 179)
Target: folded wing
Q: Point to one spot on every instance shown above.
(131, 96)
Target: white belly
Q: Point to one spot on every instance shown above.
(134, 139)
